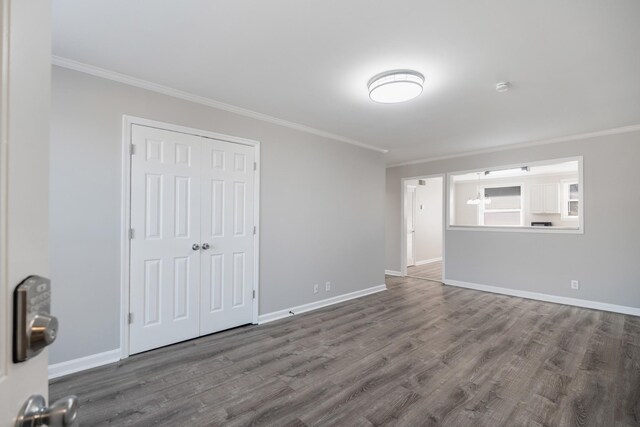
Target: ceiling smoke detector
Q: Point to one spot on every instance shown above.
(503, 86)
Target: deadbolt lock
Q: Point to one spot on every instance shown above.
(34, 327)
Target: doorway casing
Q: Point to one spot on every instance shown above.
(403, 225)
(125, 214)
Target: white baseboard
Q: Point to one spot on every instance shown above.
(276, 315)
(546, 297)
(393, 273)
(83, 363)
(428, 261)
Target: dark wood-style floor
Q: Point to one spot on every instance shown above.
(431, 271)
(418, 354)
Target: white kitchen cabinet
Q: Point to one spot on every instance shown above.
(545, 198)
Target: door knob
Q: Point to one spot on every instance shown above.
(195, 247)
(205, 246)
(34, 412)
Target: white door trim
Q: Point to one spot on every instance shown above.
(411, 189)
(403, 225)
(125, 213)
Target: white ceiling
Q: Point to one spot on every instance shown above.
(574, 64)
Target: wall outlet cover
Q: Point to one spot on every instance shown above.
(327, 286)
(575, 284)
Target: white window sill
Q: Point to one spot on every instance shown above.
(517, 229)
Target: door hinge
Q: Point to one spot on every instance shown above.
(132, 233)
(255, 166)
(132, 149)
(254, 294)
(130, 318)
(254, 229)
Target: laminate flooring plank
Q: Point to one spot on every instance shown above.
(628, 387)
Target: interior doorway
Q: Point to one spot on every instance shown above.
(423, 224)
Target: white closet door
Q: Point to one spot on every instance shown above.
(165, 217)
(227, 227)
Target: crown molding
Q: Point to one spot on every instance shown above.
(614, 131)
(165, 90)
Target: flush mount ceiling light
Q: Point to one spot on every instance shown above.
(395, 86)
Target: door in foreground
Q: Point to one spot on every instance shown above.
(26, 326)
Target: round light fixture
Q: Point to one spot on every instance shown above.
(395, 86)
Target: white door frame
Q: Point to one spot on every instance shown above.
(125, 213)
(403, 225)
(413, 221)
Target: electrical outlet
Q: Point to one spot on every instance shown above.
(575, 285)
(315, 288)
(327, 286)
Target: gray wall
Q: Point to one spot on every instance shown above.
(322, 207)
(606, 258)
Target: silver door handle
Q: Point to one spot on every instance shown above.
(195, 247)
(34, 412)
(205, 246)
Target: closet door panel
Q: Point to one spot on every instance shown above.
(228, 233)
(165, 218)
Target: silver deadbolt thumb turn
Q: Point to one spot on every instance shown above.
(195, 247)
(34, 412)
(205, 246)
